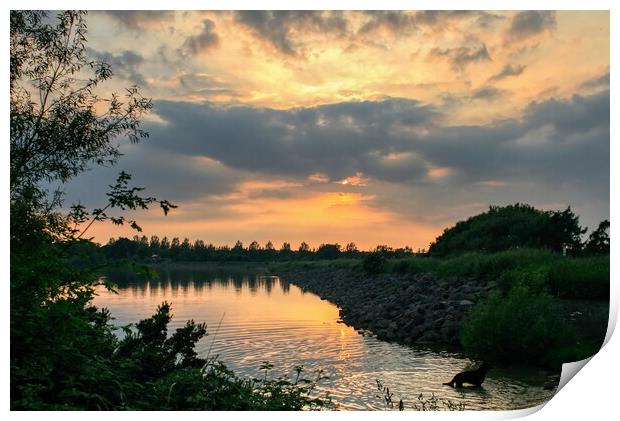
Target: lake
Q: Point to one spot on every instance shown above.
(252, 318)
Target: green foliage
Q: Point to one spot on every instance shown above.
(583, 278)
(490, 266)
(508, 227)
(540, 270)
(374, 263)
(534, 277)
(85, 366)
(420, 403)
(598, 242)
(414, 265)
(522, 326)
(328, 251)
(57, 125)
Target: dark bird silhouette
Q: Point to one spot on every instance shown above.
(475, 377)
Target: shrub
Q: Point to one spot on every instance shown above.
(534, 277)
(522, 326)
(89, 368)
(374, 263)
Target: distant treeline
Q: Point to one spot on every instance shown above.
(510, 227)
(154, 248)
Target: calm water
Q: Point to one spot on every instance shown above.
(263, 319)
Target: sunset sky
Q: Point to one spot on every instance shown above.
(371, 127)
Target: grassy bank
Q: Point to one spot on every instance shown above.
(564, 277)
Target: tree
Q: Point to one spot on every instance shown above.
(60, 127)
(154, 244)
(351, 249)
(598, 241)
(328, 251)
(57, 130)
(384, 249)
(513, 226)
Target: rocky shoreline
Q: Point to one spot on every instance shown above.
(409, 309)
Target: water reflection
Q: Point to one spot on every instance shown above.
(189, 282)
(263, 318)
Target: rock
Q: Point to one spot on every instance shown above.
(438, 306)
(405, 308)
(449, 330)
(429, 337)
(417, 319)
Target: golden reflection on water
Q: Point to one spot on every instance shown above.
(255, 300)
(264, 319)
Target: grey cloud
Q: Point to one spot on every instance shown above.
(276, 26)
(557, 141)
(164, 173)
(410, 167)
(400, 21)
(393, 20)
(206, 85)
(488, 20)
(488, 93)
(138, 19)
(337, 140)
(597, 82)
(397, 140)
(203, 41)
(508, 71)
(124, 64)
(579, 115)
(434, 17)
(460, 57)
(531, 22)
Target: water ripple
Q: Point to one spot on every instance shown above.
(263, 320)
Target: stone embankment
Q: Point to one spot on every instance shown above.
(410, 309)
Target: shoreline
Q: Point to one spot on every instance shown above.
(420, 309)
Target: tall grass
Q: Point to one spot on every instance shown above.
(564, 277)
(540, 270)
(491, 266)
(584, 278)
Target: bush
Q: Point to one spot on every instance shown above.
(522, 326)
(374, 263)
(84, 366)
(534, 277)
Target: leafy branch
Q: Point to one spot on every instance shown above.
(121, 196)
